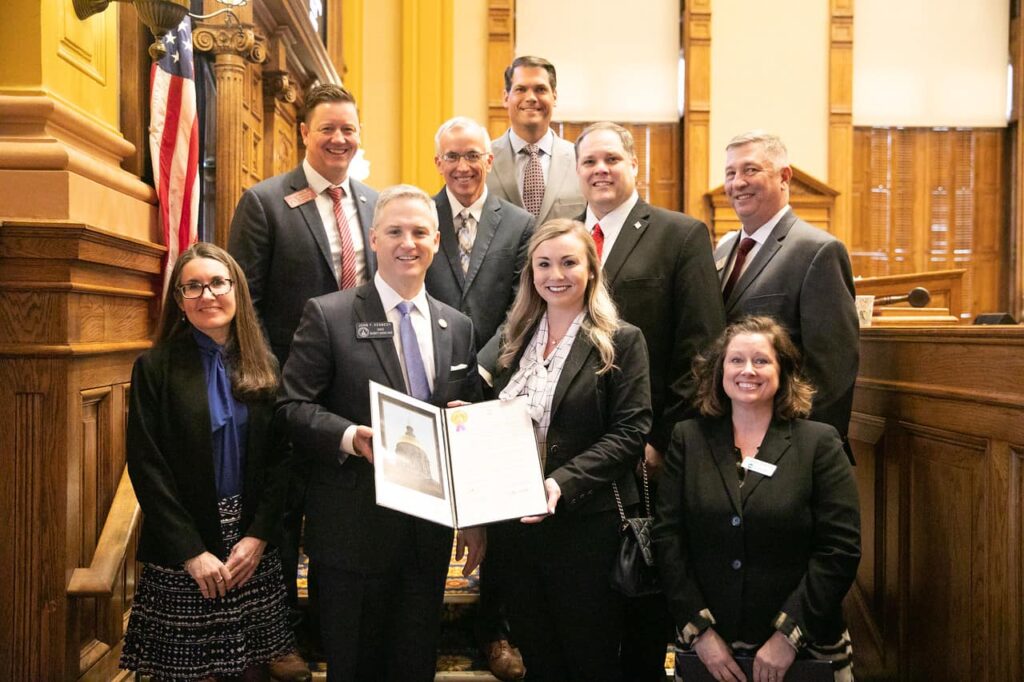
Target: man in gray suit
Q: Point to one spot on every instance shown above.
(533, 167)
(483, 237)
(779, 265)
(297, 235)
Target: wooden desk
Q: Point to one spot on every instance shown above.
(938, 433)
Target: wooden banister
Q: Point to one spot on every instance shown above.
(98, 579)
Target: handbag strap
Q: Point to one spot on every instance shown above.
(647, 494)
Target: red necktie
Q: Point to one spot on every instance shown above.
(737, 267)
(348, 251)
(598, 236)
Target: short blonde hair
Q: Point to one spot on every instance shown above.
(396, 192)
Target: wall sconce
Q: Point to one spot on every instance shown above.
(159, 16)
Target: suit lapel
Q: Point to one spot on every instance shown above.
(763, 257)
(311, 215)
(486, 227)
(449, 237)
(442, 339)
(368, 308)
(722, 447)
(581, 349)
(632, 231)
(365, 223)
(562, 162)
(505, 169)
(776, 443)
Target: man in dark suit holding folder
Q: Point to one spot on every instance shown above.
(382, 572)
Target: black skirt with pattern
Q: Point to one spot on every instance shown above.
(174, 633)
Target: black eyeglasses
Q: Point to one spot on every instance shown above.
(217, 287)
(453, 157)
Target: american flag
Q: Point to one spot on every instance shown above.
(174, 143)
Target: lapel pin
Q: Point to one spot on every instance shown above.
(637, 225)
(442, 323)
(362, 198)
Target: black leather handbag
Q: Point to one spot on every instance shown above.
(634, 573)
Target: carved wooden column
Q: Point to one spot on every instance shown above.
(840, 116)
(501, 49)
(279, 111)
(697, 115)
(234, 46)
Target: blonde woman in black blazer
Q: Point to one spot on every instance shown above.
(207, 471)
(585, 374)
(757, 534)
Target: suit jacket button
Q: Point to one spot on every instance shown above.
(736, 521)
(737, 564)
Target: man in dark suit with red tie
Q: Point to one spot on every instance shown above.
(659, 268)
(302, 234)
(799, 274)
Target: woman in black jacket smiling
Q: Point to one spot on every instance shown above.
(585, 374)
(757, 532)
(205, 466)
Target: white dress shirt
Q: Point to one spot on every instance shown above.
(420, 316)
(325, 207)
(611, 224)
(475, 211)
(546, 145)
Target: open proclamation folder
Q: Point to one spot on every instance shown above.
(458, 466)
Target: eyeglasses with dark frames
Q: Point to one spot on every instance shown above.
(217, 287)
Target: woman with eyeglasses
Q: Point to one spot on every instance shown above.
(207, 470)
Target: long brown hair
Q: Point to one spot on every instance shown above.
(601, 319)
(792, 399)
(252, 367)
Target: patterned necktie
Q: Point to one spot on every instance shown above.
(598, 234)
(533, 180)
(348, 251)
(466, 237)
(737, 267)
(419, 388)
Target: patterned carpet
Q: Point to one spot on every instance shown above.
(457, 652)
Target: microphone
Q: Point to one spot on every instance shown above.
(918, 297)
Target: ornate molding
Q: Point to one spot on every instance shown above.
(238, 40)
(278, 85)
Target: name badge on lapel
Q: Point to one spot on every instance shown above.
(375, 330)
(759, 467)
(303, 196)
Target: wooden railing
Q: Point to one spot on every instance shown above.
(123, 518)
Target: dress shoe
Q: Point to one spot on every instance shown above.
(290, 668)
(505, 661)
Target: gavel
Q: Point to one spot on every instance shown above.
(918, 297)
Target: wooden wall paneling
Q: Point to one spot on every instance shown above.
(948, 552)
(1015, 255)
(501, 37)
(939, 591)
(932, 199)
(990, 221)
(697, 107)
(77, 303)
(840, 116)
